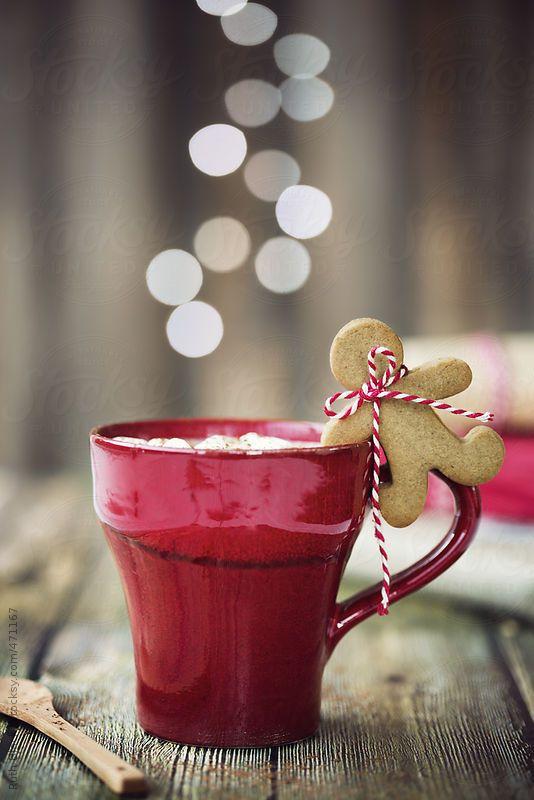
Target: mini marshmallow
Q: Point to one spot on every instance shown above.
(129, 440)
(178, 443)
(248, 441)
(217, 442)
(174, 443)
(253, 441)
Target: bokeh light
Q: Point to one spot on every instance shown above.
(303, 211)
(195, 329)
(219, 8)
(252, 25)
(269, 172)
(306, 99)
(174, 276)
(218, 149)
(222, 244)
(301, 55)
(282, 265)
(253, 102)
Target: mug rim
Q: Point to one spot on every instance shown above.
(97, 436)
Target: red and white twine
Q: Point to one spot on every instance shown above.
(374, 391)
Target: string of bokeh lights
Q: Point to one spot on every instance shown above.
(222, 244)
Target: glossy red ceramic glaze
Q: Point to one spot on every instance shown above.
(230, 563)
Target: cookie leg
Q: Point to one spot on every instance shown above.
(474, 459)
(402, 500)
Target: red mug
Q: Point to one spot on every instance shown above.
(231, 563)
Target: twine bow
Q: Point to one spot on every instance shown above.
(374, 391)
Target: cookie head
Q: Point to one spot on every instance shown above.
(348, 355)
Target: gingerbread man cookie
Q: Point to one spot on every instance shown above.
(413, 437)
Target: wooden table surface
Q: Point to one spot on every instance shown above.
(435, 701)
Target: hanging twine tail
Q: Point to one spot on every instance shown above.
(383, 606)
(377, 518)
(374, 391)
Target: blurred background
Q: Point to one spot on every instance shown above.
(368, 158)
(415, 120)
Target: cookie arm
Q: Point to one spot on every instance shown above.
(438, 379)
(356, 428)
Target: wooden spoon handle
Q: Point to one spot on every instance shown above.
(122, 778)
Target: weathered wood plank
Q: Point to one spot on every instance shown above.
(431, 702)
(48, 545)
(43, 565)
(516, 643)
(415, 706)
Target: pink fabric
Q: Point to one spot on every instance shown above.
(511, 494)
(493, 356)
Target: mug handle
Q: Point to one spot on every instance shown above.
(364, 604)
